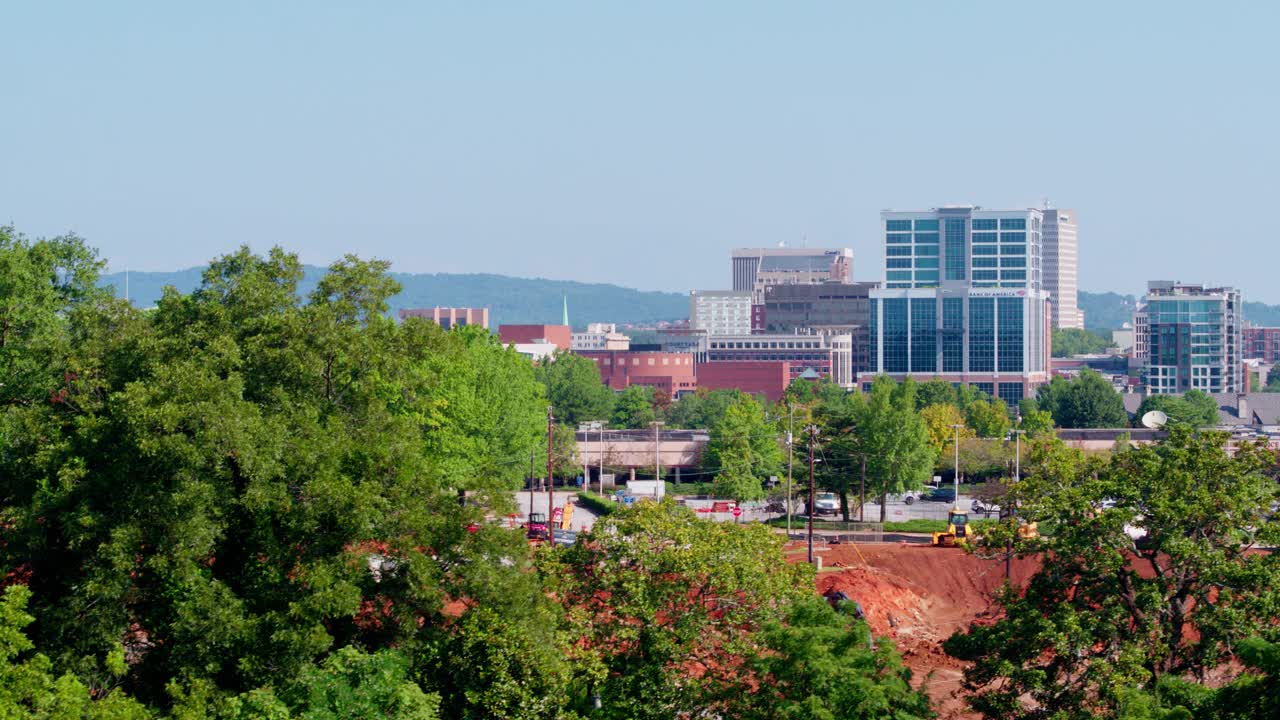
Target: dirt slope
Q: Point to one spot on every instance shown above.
(918, 596)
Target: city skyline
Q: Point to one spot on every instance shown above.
(599, 143)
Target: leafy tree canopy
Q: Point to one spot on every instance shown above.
(1087, 401)
(575, 389)
(744, 451)
(1068, 342)
(1107, 614)
(634, 408)
(1195, 408)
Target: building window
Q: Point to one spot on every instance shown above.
(984, 275)
(897, 225)
(983, 237)
(1013, 223)
(897, 252)
(987, 389)
(952, 335)
(896, 262)
(1014, 262)
(927, 250)
(1013, 250)
(924, 323)
(927, 225)
(927, 262)
(1013, 237)
(898, 238)
(1010, 343)
(985, 250)
(955, 252)
(982, 335)
(898, 275)
(895, 335)
(984, 262)
(1011, 393)
(927, 238)
(984, 224)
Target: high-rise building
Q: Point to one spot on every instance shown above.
(720, 312)
(963, 300)
(829, 307)
(755, 269)
(1061, 263)
(1189, 337)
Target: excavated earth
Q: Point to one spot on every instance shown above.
(918, 596)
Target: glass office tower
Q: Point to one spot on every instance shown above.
(963, 300)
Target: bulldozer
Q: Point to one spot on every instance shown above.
(957, 532)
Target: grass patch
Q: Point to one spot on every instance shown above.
(689, 488)
(918, 525)
(595, 503)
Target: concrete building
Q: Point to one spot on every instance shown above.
(1061, 263)
(449, 318)
(559, 335)
(827, 308)
(754, 269)
(720, 312)
(827, 354)
(1190, 337)
(600, 336)
(963, 300)
(672, 373)
(1262, 343)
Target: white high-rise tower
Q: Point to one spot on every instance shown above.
(1060, 262)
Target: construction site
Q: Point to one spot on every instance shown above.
(917, 596)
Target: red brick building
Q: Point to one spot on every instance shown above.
(1262, 342)
(558, 335)
(768, 378)
(670, 372)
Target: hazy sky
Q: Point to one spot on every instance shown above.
(638, 142)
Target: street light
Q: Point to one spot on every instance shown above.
(957, 427)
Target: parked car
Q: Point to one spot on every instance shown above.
(941, 494)
(826, 504)
(984, 508)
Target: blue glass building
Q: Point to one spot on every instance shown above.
(963, 300)
(1188, 337)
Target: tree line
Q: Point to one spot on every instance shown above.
(248, 504)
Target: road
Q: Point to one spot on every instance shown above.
(583, 518)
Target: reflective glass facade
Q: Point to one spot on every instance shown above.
(1189, 338)
(924, 343)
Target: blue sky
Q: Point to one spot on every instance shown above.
(637, 143)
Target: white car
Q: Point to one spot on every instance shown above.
(826, 504)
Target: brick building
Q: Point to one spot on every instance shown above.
(1262, 343)
(558, 335)
(764, 377)
(672, 373)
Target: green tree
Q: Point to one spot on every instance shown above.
(702, 409)
(663, 609)
(805, 392)
(241, 483)
(940, 422)
(743, 451)
(1033, 420)
(821, 664)
(634, 408)
(1195, 408)
(1068, 342)
(575, 389)
(1273, 380)
(1088, 401)
(893, 439)
(28, 687)
(988, 418)
(1106, 614)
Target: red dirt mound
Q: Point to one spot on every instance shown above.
(918, 596)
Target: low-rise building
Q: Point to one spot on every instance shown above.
(672, 373)
(830, 354)
(558, 335)
(449, 317)
(600, 336)
(769, 378)
(1262, 343)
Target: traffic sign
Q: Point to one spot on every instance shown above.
(737, 511)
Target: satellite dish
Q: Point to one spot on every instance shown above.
(1155, 419)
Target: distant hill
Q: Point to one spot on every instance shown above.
(1108, 311)
(509, 299)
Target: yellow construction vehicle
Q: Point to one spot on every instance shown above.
(957, 532)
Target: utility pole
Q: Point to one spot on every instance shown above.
(1017, 475)
(862, 490)
(813, 434)
(601, 460)
(657, 456)
(551, 484)
(531, 454)
(791, 455)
